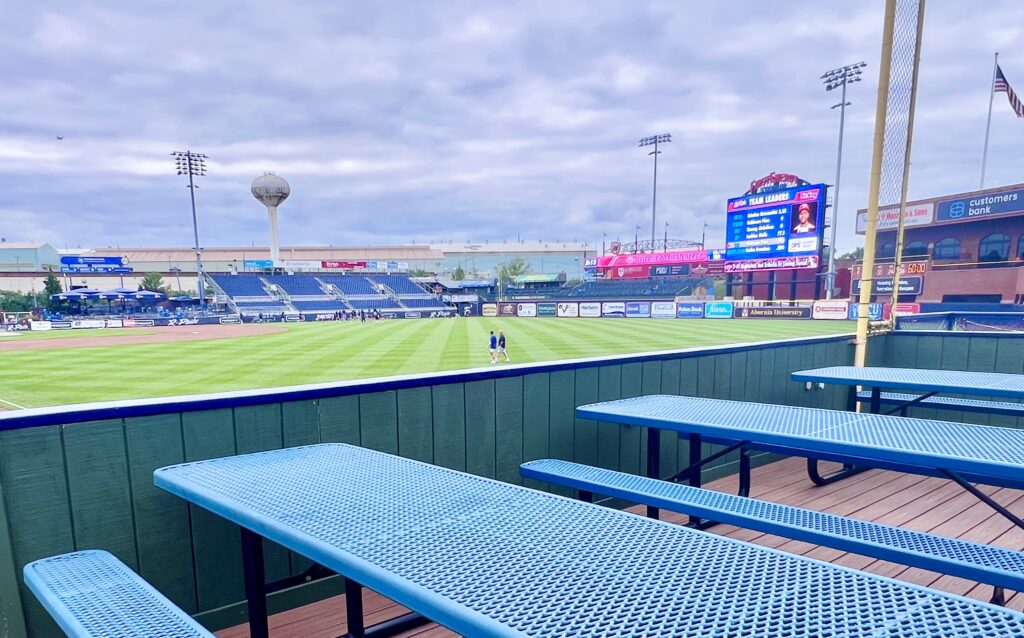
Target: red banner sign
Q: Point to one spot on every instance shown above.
(653, 259)
(344, 264)
(629, 272)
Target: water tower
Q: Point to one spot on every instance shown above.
(271, 190)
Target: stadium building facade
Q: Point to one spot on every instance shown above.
(959, 248)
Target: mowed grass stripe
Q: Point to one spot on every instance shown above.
(334, 351)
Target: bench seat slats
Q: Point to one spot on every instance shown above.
(92, 593)
(948, 403)
(982, 563)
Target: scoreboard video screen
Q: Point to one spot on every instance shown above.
(786, 223)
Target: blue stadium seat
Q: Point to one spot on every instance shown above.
(320, 306)
(400, 284)
(350, 284)
(384, 303)
(423, 303)
(297, 285)
(242, 285)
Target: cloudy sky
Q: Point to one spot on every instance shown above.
(406, 121)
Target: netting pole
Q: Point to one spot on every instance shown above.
(906, 168)
(868, 266)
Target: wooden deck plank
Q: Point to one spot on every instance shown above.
(914, 502)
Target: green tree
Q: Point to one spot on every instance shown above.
(153, 281)
(52, 287)
(11, 301)
(418, 272)
(459, 274)
(856, 253)
(509, 270)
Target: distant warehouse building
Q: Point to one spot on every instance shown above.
(962, 248)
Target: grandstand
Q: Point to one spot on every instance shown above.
(252, 294)
(654, 287)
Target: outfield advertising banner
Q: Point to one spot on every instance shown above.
(690, 310)
(613, 309)
(590, 309)
(638, 309)
(718, 310)
(830, 310)
(547, 310)
(40, 325)
(663, 309)
(506, 309)
(88, 323)
(568, 309)
(874, 311)
(773, 312)
(489, 310)
(526, 309)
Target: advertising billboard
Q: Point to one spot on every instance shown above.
(526, 309)
(670, 271)
(889, 218)
(75, 264)
(824, 309)
(874, 311)
(506, 309)
(773, 312)
(663, 309)
(613, 309)
(638, 309)
(718, 310)
(568, 309)
(489, 310)
(987, 205)
(590, 309)
(908, 286)
(546, 310)
(786, 223)
(690, 310)
(256, 264)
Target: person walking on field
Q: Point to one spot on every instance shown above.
(493, 348)
(501, 345)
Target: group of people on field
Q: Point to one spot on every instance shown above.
(498, 346)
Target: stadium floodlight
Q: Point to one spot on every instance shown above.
(655, 140)
(838, 79)
(194, 165)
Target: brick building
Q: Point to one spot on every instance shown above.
(962, 248)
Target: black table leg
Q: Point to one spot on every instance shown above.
(255, 595)
(876, 400)
(354, 609)
(653, 462)
(694, 478)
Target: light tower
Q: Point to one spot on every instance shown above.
(271, 190)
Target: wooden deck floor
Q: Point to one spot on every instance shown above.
(915, 502)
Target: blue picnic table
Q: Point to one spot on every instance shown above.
(963, 452)
(486, 558)
(926, 383)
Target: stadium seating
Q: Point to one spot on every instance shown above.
(242, 285)
(297, 285)
(329, 305)
(422, 303)
(350, 284)
(666, 287)
(383, 303)
(400, 284)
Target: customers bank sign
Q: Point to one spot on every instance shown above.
(950, 209)
(988, 205)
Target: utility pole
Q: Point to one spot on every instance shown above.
(655, 140)
(194, 165)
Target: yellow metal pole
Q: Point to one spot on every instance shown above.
(906, 168)
(868, 268)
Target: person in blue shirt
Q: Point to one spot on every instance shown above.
(493, 346)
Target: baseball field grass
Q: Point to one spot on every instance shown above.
(316, 353)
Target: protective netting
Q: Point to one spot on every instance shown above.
(897, 113)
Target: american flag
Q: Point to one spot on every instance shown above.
(1002, 85)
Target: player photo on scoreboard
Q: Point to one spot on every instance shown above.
(804, 218)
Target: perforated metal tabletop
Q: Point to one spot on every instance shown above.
(992, 384)
(985, 454)
(486, 558)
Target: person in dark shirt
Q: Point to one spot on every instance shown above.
(501, 345)
(493, 348)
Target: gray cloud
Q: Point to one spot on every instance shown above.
(417, 121)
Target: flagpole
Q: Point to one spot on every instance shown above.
(988, 123)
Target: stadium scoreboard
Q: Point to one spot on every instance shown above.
(782, 224)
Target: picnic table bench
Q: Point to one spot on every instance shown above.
(92, 594)
(995, 566)
(486, 558)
